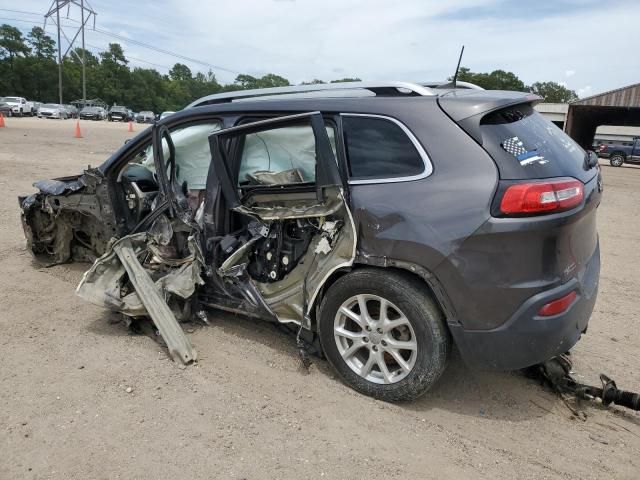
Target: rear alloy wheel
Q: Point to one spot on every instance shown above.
(616, 160)
(383, 334)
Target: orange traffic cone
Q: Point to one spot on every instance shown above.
(78, 133)
(130, 126)
(2, 125)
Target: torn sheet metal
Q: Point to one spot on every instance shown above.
(103, 283)
(69, 218)
(152, 298)
(333, 246)
(118, 286)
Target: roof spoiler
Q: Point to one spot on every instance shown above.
(467, 108)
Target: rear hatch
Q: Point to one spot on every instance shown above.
(542, 229)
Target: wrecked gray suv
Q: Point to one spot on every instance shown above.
(384, 221)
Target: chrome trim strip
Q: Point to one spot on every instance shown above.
(428, 166)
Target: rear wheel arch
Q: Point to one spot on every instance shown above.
(416, 274)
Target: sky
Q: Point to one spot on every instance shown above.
(588, 45)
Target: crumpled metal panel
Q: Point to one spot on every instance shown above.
(102, 284)
(58, 187)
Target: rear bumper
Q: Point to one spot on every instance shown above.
(527, 339)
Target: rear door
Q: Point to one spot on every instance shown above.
(280, 182)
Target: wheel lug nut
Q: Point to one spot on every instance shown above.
(375, 348)
(365, 339)
(368, 328)
(379, 330)
(384, 344)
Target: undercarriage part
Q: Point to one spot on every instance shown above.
(556, 372)
(178, 344)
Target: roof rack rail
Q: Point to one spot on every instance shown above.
(459, 84)
(377, 88)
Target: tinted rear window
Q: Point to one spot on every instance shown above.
(378, 149)
(526, 145)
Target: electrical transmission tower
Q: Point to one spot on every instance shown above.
(86, 13)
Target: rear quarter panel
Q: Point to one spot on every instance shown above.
(425, 221)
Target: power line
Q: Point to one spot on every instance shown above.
(138, 43)
(28, 21)
(97, 49)
(166, 52)
(20, 11)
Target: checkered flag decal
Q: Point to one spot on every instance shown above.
(514, 146)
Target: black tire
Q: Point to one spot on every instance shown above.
(616, 160)
(412, 298)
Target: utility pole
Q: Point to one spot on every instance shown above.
(54, 15)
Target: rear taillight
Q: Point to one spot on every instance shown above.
(542, 197)
(558, 306)
(602, 148)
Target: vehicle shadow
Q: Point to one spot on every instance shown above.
(493, 395)
(461, 390)
(490, 395)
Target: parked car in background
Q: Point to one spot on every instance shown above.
(34, 106)
(72, 111)
(620, 153)
(53, 110)
(93, 113)
(146, 117)
(5, 109)
(339, 216)
(19, 106)
(166, 114)
(118, 114)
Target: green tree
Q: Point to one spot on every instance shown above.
(553, 92)
(12, 43)
(267, 81)
(180, 72)
(315, 81)
(42, 45)
(12, 46)
(496, 80)
(38, 71)
(346, 79)
(272, 80)
(115, 75)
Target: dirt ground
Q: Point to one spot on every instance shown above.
(247, 410)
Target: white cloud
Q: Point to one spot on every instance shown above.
(375, 39)
(584, 91)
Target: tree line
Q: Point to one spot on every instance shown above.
(28, 69)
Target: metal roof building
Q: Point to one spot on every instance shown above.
(615, 107)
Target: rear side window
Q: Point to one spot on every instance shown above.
(378, 148)
(526, 145)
